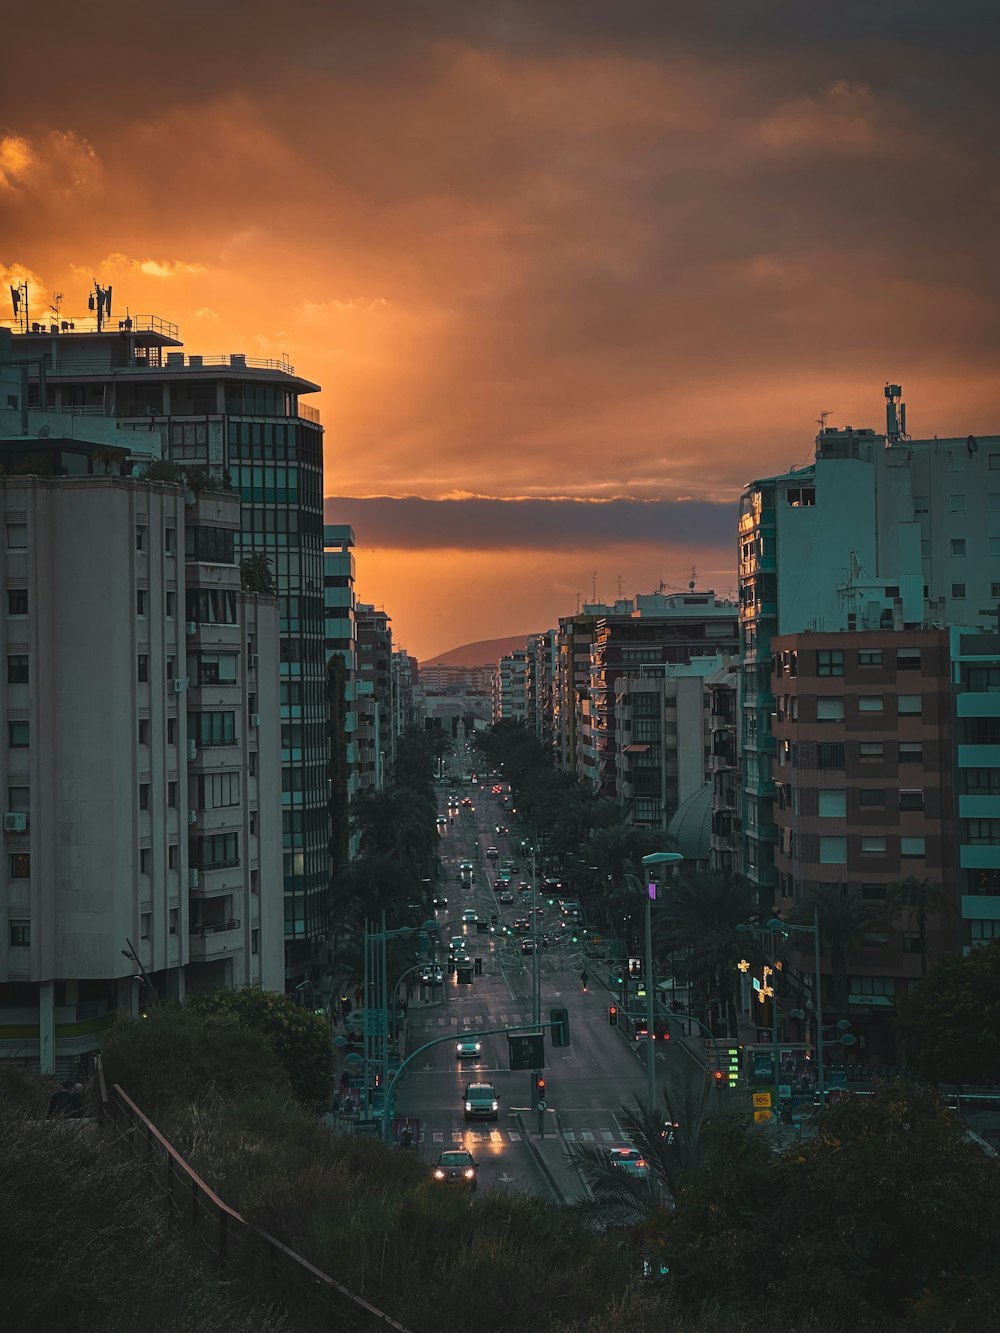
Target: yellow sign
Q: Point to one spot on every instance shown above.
(761, 1116)
(761, 1099)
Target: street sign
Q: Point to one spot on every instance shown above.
(542, 1105)
(761, 1099)
(371, 1128)
(526, 1050)
(761, 1116)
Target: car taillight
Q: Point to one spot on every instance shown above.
(640, 1162)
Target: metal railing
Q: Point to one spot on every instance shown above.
(234, 1242)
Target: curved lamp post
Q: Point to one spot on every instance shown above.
(651, 863)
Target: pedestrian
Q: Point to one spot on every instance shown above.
(76, 1096)
(345, 1005)
(61, 1101)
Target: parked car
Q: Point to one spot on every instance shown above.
(481, 1102)
(455, 1167)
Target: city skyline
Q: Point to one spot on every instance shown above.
(569, 277)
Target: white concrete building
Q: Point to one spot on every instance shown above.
(140, 760)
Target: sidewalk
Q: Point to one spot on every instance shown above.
(549, 1153)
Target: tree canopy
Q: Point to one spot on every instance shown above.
(950, 1022)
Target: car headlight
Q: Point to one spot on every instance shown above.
(478, 1047)
(496, 1106)
(470, 1173)
(468, 1106)
(438, 1173)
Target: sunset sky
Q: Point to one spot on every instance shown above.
(570, 272)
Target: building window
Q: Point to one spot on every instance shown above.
(213, 669)
(982, 931)
(20, 865)
(830, 754)
(145, 921)
(144, 731)
(874, 893)
(907, 659)
(20, 934)
(979, 781)
(168, 540)
(19, 800)
(833, 804)
(958, 546)
(871, 750)
(253, 822)
(140, 601)
(171, 731)
(873, 846)
(143, 795)
(885, 986)
(171, 605)
(910, 704)
(829, 710)
(212, 728)
(982, 832)
(800, 497)
(995, 590)
(140, 537)
(218, 849)
(145, 860)
(870, 703)
(255, 941)
(911, 752)
(911, 799)
(172, 856)
(870, 657)
(218, 791)
(142, 672)
(871, 797)
(17, 669)
(829, 662)
(958, 590)
(956, 504)
(174, 918)
(17, 601)
(17, 536)
(912, 847)
(18, 735)
(833, 851)
(172, 795)
(252, 763)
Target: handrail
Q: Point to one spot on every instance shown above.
(230, 1226)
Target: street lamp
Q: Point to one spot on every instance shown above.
(651, 862)
(785, 926)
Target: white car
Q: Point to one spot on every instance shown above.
(629, 1160)
(470, 917)
(468, 1050)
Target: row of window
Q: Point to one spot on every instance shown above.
(833, 850)
(833, 754)
(831, 708)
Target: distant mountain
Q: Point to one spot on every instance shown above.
(487, 652)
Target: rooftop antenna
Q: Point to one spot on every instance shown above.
(593, 587)
(694, 575)
(821, 419)
(56, 306)
(619, 587)
(100, 303)
(895, 414)
(19, 297)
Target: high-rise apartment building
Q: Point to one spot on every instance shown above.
(375, 735)
(510, 688)
(242, 418)
(139, 762)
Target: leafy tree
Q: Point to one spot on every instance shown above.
(887, 1206)
(919, 898)
(396, 822)
(950, 1022)
(700, 915)
(256, 574)
(299, 1038)
(844, 917)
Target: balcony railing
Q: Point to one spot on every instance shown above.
(215, 929)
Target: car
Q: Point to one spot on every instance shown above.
(502, 829)
(629, 1160)
(527, 946)
(431, 976)
(458, 944)
(465, 865)
(468, 1050)
(521, 923)
(492, 852)
(546, 940)
(524, 887)
(503, 878)
(455, 1167)
(439, 901)
(442, 822)
(467, 802)
(481, 1102)
(505, 896)
(469, 916)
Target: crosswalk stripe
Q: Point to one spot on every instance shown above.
(587, 1136)
(438, 1136)
(569, 1136)
(514, 1136)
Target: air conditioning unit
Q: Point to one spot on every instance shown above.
(192, 749)
(178, 684)
(192, 627)
(15, 823)
(252, 662)
(255, 719)
(192, 816)
(192, 879)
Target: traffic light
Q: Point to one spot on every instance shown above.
(540, 1087)
(613, 1015)
(559, 1018)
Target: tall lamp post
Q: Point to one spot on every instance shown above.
(786, 927)
(651, 864)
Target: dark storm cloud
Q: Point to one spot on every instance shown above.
(483, 524)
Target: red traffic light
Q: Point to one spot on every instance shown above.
(613, 1015)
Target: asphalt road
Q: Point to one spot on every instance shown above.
(586, 1083)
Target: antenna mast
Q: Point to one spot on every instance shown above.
(19, 296)
(100, 303)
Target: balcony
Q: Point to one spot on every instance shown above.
(213, 941)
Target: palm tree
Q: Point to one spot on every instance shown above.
(843, 917)
(701, 913)
(921, 896)
(398, 823)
